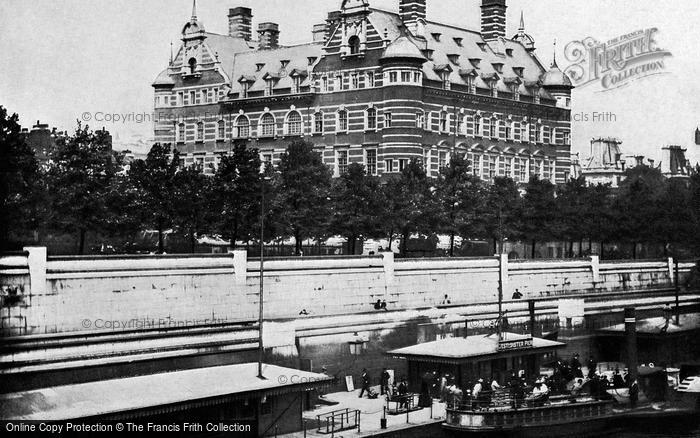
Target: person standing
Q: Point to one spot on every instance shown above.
(384, 389)
(576, 366)
(634, 393)
(365, 382)
(592, 367)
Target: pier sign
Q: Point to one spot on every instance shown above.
(516, 344)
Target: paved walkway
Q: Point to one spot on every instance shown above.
(371, 411)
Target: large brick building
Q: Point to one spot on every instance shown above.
(373, 86)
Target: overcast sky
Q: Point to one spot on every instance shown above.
(62, 58)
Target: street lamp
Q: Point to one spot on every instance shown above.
(357, 344)
(262, 273)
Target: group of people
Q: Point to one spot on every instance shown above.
(386, 387)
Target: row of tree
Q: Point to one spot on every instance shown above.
(86, 188)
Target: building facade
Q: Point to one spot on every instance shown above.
(374, 87)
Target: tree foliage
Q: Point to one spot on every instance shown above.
(80, 175)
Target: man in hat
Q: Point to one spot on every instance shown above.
(365, 382)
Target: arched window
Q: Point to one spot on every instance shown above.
(371, 118)
(268, 125)
(181, 132)
(354, 43)
(193, 65)
(318, 122)
(220, 129)
(294, 123)
(242, 127)
(200, 131)
(342, 120)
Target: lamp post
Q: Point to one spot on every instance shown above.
(262, 272)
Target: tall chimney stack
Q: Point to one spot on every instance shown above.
(240, 23)
(319, 32)
(268, 35)
(493, 19)
(410, 11)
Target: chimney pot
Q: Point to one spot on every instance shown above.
(268, 34)
(240, 23)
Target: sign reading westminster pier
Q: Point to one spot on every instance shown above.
(616, 62)
(515, 344)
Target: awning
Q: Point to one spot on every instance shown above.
(156, 393)
(477, 347)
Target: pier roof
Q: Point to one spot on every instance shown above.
(108, 398)
(460, 350)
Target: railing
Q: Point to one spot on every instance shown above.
(336, 421)
(399, 404)
(508, 414)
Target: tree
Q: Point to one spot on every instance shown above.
(236, 194)
(676, 224)
(459, 196)
(410, 206)
(598, 219)
(538, 214)
(301, 193)
(155, 182)
(192, 190)
(356, 202)
(19, 173)
(501, 211)
(81, 171)
(638, 206)
(570, 210)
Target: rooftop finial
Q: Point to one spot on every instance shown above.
(171, 52)
(554, 55)
(194, 10)
(522, 22)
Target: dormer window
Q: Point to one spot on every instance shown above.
(296, 84)
(311, 60)
(284, 63)
(354, 43)
(515, 89)
(519, 71)
(428, 53)
(494, 88)
(498, 67)
(193, 65)
(445, 76)
(454, 58)
(458, 41)
(245, 88)
(509, 52)
(269, 87)
(436, 36)
(471, 84)
(259, 66)
(475, 62)
(482, 46)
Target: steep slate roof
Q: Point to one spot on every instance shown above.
(227, 47)
(244, 64)
(532, 69)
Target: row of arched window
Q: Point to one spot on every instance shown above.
(293, 125)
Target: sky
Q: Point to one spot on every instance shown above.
(65, 57)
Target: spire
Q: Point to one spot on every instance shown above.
(554, 55)
(521, 29)
(194, 10)
(171, 52)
